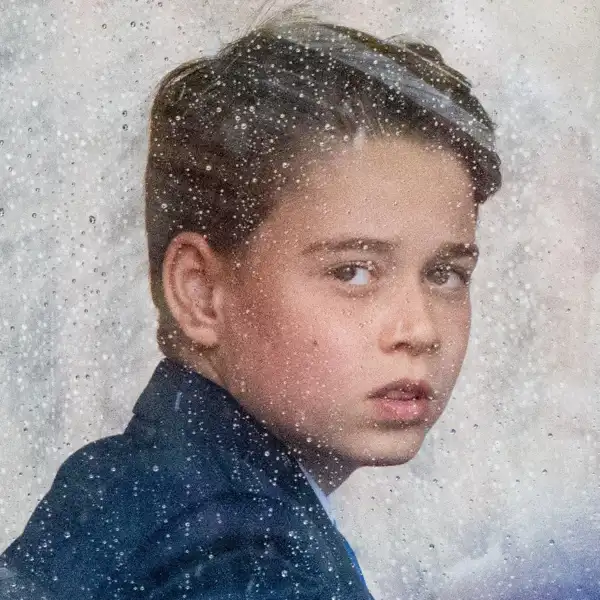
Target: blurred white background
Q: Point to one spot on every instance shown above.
(508, 483)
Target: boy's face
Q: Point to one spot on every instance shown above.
(354, 289)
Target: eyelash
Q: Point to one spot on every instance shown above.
(463, 274)
(368, 265)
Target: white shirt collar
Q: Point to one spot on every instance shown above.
(320, 494)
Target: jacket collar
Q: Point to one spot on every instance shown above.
(184, 407)
(180, 402)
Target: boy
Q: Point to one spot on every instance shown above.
(311, 202)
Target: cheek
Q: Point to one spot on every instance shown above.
(291, 334)
(455, 325)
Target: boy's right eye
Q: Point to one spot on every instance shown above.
(355, 274)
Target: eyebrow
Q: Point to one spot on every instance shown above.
(446, 250)
(352, 243)
(458, 250)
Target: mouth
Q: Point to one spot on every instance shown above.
(404, 401)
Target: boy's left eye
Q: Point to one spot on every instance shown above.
(450, 276)
(356, 274)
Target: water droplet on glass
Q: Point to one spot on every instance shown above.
(92, 219)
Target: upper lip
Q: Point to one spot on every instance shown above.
(404, 389)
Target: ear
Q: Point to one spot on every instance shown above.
(192, 276)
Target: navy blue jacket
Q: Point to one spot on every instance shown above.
(194, 500)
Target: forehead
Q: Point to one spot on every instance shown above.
(398, 188)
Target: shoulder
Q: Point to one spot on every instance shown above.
(105, 500)
(123, 516)
(129, 513)
(142, 478)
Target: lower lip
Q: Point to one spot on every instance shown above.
(404, 411)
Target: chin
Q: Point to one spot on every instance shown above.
(390, 451)
(391, 458)
(388, 461)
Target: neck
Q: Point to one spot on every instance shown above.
(328, 471)
(199, 362)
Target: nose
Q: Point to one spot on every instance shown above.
(410, 323)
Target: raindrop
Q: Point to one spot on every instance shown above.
(453, 430)
(34, 215)
(104, 25)
(132, 23)
(1, 212)
(155, 468)
(92, 219)
(125, 127)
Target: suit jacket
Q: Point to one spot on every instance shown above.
(194, 500)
